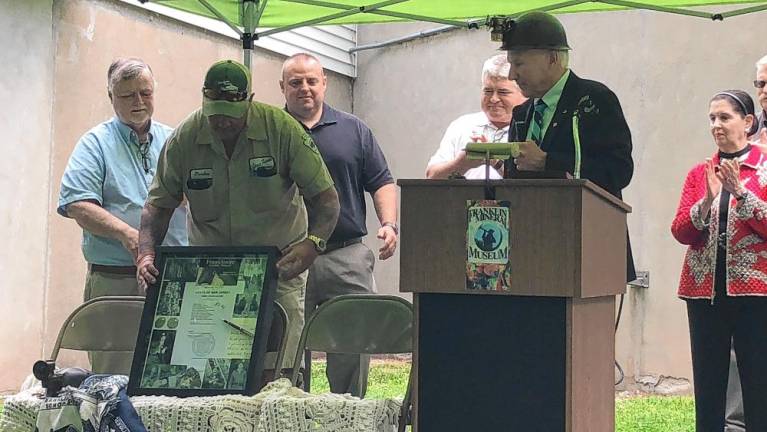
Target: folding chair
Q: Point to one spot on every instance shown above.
(117, 319)
(361, 324)
(275, 345)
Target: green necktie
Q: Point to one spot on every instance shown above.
(536, 127)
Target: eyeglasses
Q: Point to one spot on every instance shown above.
(759, 83)
(216, 94)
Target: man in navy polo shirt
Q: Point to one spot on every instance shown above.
(356, 164)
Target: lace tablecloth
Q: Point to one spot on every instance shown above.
(279, 407)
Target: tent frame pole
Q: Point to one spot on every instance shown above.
(474, 24)
(220, 16)
(743, 11)
(635, 5)
(376, 11)
(331, 17)
(623, 3)
(251, 14)
(250, 11)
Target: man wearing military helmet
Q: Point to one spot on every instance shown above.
(568, 123)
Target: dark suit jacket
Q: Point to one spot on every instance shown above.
(605, 138)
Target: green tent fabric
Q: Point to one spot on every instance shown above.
(294, 13)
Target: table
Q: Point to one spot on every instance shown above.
(279, 407)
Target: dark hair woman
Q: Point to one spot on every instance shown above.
(722, 217)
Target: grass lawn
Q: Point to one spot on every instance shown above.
(636, 414)
(386, 379)
(655, 414)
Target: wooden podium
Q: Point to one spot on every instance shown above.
(539, 357)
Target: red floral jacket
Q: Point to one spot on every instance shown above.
(746, 243)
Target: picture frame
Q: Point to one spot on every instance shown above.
(206, 322)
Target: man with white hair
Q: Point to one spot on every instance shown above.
(761, 97)
(499, 97)
(105, 185)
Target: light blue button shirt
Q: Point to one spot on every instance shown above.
(106, 166)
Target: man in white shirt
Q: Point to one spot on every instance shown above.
(499, 96)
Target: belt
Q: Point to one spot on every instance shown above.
(122, 270)
(338, 245)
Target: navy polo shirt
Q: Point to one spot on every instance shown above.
(356, 164)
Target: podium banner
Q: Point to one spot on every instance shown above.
(488, 265)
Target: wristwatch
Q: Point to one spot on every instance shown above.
(392, 225)
(319, 244)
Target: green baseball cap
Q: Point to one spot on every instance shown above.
(535, 30)
(226, 89)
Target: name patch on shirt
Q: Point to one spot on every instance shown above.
(263, 166)
(200, 178)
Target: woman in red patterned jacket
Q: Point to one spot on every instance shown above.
(722, 217)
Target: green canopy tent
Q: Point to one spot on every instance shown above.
(246, 16)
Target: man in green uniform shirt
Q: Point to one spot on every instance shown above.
(252, 176)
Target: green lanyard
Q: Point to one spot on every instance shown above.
(577, 144)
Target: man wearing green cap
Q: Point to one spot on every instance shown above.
(568, 123)
(252, 176)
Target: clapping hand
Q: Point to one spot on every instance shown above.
(729, 176)
(713, 185)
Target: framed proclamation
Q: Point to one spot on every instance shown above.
(206, 322)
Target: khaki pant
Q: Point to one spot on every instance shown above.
(347, 270)
(98, 284)
(291, 295)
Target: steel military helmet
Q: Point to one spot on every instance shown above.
(535, 30)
